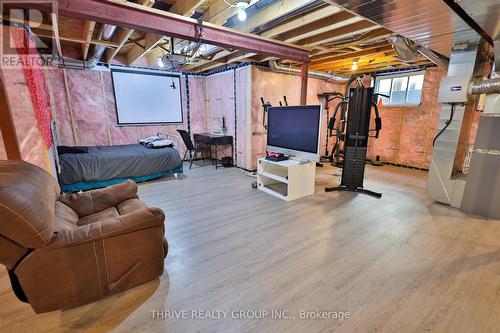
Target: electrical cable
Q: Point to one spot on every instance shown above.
(448, 122)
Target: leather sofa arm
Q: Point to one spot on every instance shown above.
(128, 223)
(91, 202)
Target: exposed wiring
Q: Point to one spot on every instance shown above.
(448, 122)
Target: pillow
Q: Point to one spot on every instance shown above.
(72, 150)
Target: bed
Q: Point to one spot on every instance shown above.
(106, 165)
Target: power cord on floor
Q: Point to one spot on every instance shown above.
(448, 122)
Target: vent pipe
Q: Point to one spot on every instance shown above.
(439, 60)
(318, 75)
(407, 50)
(486, 86)
(106, 33)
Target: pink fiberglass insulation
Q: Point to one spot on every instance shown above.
(21, 95)
(406, 137)
(243, 100)
(61, 106)
(87, 105)
(407, 132)
(91, 102)
(220, 105)
(273, 86)
(197, 104)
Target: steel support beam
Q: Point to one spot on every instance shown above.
(304, 75)
(135, 16)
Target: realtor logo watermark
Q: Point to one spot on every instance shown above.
(249, 314)
(20, 48)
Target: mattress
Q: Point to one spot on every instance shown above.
(121, 161)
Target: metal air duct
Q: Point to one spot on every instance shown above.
(319, 75)
(486, 86)
(106, 33)
(434, 57)
(407, 50)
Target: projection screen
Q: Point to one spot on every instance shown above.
(146, 97)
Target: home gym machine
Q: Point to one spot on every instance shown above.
(333, 130)
(266, 105)
(358, 105)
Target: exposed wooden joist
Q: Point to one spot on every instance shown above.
(368, 68)
(315, 25)
(135, 16)
(363, 63)
(7, 127)
(186, 7)
(55, 31)
(342, 51)
(121, 36)
(315, 21)
(219, 12)
(79, 40)
(335, 33)
(257, 20)
(356, 57)
(310, 17)
(329, 60)
(88, 30)
(150, 41)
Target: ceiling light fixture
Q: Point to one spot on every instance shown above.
(241, 5)
(354, 65)
(160, 63)
(242, 15)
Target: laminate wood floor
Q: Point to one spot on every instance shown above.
(398, 264)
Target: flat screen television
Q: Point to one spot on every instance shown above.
(294, 130)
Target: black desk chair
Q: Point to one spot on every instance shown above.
(191, 148)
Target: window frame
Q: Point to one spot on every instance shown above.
(399, 75)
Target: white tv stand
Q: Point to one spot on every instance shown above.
(288, 180)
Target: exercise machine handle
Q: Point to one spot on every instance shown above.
(381, 95)
(378, 121)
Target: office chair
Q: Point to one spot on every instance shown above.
(191, 148)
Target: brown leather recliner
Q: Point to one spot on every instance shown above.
(63, 251)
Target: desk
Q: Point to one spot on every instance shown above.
(215, 140)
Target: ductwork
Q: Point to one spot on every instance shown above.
(318, 75)
(439, 60)
(407, 50)
(106, 33)
(486, 86)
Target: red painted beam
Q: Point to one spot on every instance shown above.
(134, 16)
(304, 75)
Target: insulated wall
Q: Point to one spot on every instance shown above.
(272, 87)
(407, 132)
(29, 104)
(86, 114)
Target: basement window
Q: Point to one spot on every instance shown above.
(403, 89)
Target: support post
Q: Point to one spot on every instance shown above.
(304, 75)
(7, 126)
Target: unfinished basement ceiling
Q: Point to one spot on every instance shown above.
(337, 33)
